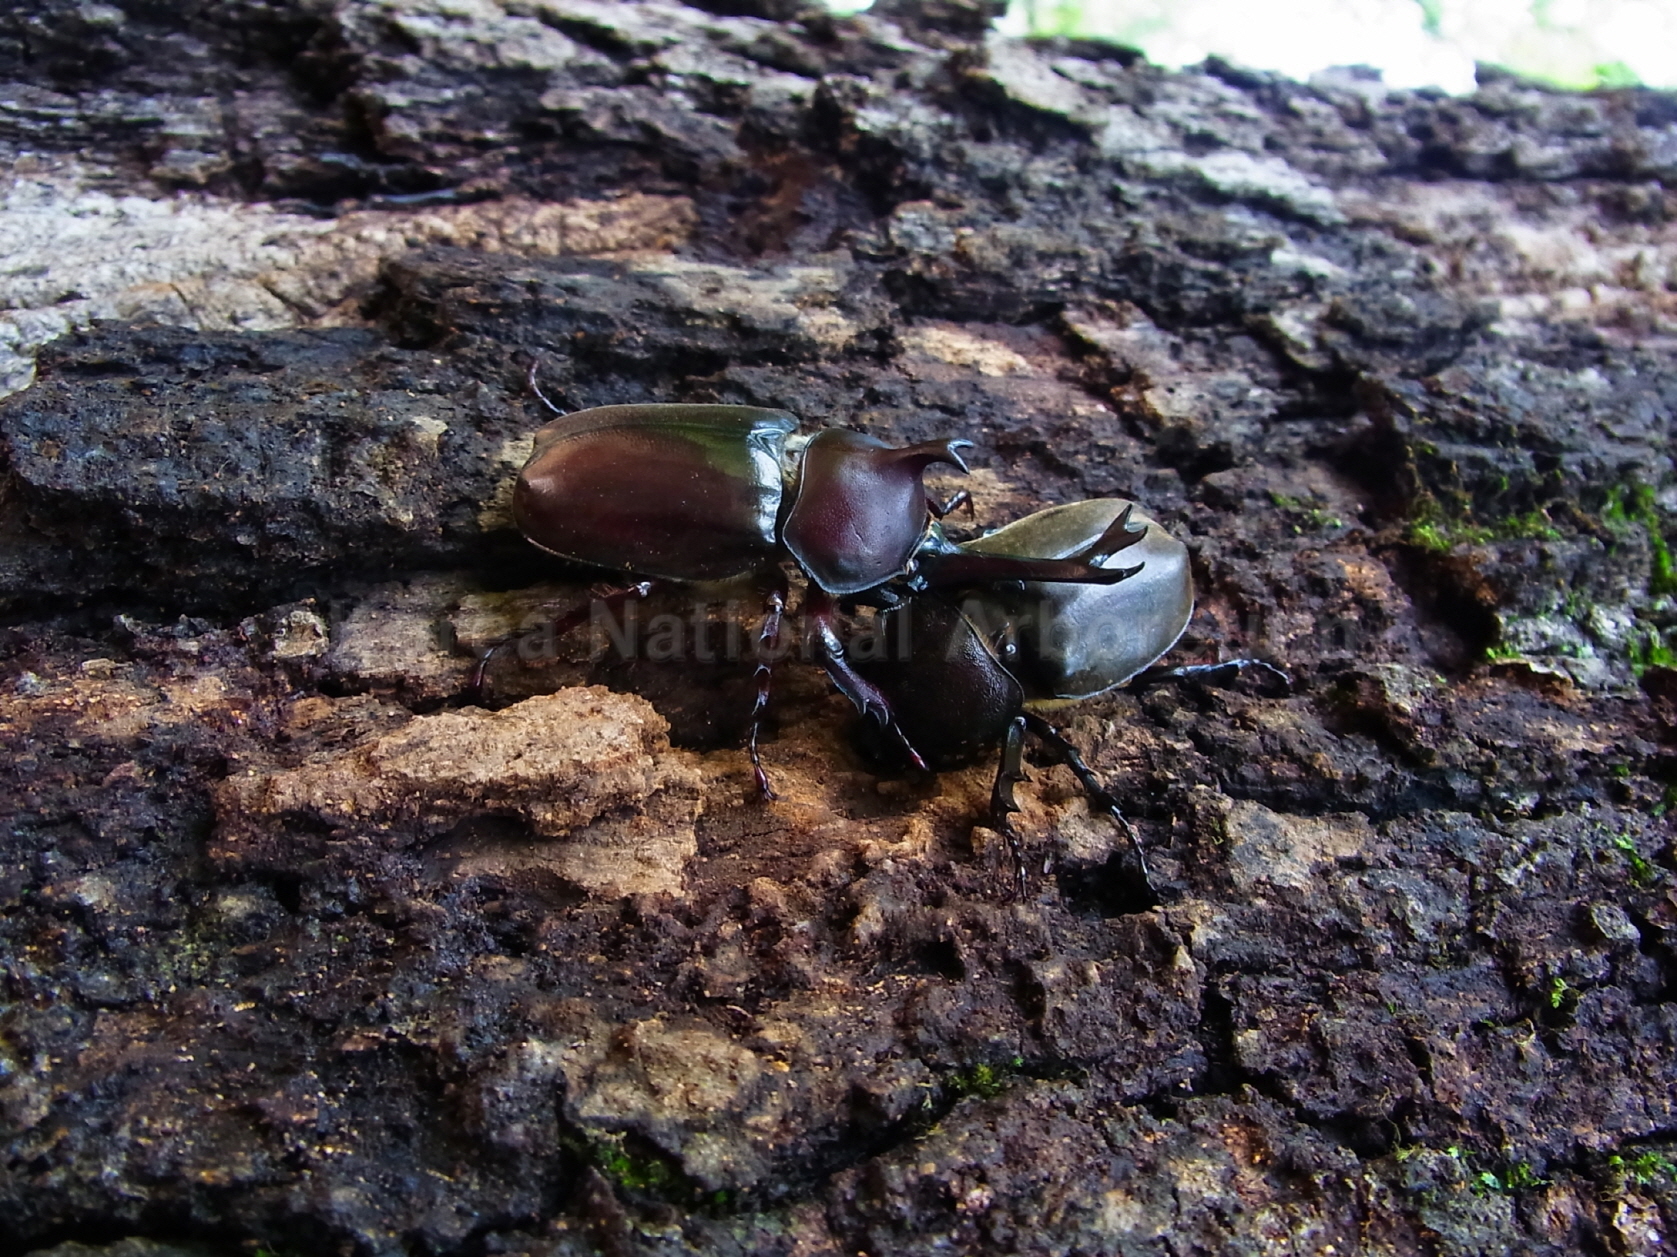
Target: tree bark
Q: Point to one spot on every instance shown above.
(309, 945)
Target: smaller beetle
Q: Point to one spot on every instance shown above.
(971, 670)
(1076, 641)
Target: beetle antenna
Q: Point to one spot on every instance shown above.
(530, 379)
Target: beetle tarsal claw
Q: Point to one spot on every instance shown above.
(886, 723)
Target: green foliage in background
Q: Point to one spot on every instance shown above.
(1564, 45)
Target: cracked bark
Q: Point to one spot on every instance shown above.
(303, 949)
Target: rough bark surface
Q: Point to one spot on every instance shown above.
(307, 949)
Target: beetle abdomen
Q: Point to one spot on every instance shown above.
(674, 491)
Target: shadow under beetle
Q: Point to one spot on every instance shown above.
(703, 492)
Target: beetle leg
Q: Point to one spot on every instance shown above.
(1228, 669)
(819, 609)
(1010, 770)
(1067, 754)
(955, 502)
(576, 617)
(768, 639)
(480, 674)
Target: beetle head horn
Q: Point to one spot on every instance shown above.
(1118, 536)
(923, 455)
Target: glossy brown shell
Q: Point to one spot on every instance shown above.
(860, 512)
(683, 492)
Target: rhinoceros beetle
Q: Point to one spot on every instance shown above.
(678, 492)
(965, 670)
